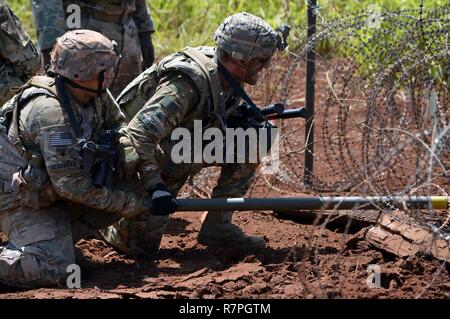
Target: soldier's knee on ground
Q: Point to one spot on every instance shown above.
(30, 267)
(39, 250)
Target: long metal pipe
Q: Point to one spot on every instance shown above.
(314, 203)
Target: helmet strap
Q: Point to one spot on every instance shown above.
(101, 79)
(238, 89)
(99, 91)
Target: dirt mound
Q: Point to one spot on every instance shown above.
(335, 266)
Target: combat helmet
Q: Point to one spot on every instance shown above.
(82, 54)
(246, 37)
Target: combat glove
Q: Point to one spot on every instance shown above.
(163, 202)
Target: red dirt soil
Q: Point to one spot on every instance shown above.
(285, 269)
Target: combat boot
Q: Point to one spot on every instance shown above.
(218, 231)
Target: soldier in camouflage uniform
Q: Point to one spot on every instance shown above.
(53, 119)
(127, 22)
(19, 58)
(184, 87)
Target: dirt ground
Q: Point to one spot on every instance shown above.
(300, 261)
(285, 269)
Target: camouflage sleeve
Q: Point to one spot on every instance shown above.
(19, 56)
(175, 96)
(142, 17)
(16, 46)
(114, 117)
(48, 127)
(49, 19)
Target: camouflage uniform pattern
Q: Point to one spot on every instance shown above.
(39, 250)
(246, 37)
(44, 124)
(19, 57)
(40, 236)
(40, 246)
(182, 95)
(120, 21)
(174, 104)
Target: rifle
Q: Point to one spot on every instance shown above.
(264, 114)
(99, 159)
(250, 116)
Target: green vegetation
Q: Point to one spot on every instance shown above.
(192, 22)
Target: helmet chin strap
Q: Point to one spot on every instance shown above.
(101, 79)
(99, 91)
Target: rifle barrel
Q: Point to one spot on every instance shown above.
(276, 109)
(289, 114)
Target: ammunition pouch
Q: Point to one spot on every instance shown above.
(7, 198)
(89, 154)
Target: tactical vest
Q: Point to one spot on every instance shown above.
(15, 189)
(198, 65)
(10, 163)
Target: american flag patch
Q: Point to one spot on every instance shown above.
(61, 139)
